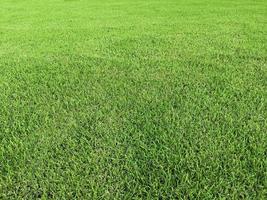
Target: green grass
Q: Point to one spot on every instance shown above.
(123, 99)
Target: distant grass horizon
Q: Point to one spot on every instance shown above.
(120, 99)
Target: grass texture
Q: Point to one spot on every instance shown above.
(123, 99)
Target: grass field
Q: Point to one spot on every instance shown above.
(122, 99)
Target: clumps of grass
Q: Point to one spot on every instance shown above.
(133, 100)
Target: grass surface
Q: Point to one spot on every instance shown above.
(113, 99)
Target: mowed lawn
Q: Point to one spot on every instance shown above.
(123, 99)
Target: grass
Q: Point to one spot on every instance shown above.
(121, 99)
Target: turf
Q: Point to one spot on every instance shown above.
(122, 99)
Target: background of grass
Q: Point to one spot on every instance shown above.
(133, 99)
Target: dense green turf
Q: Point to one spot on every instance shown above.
(123, 99)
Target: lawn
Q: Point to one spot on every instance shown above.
(123, 99)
